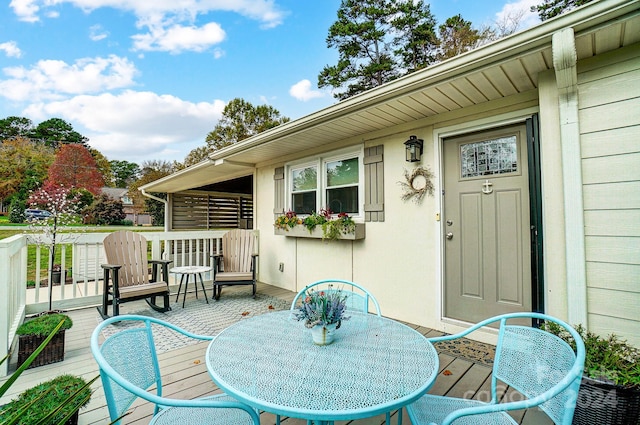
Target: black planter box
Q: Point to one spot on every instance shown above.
(52, 353)
(606, 404)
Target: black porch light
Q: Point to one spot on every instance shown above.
(413, 148)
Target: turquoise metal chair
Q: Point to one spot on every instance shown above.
(129, 366)
(359, 299)
(539, 365)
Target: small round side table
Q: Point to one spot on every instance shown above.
(195, 271)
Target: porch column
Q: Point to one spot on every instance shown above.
(565, 65)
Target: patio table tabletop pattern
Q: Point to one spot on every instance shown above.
(375, 365)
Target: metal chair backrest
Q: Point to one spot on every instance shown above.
(534, 361)
(540, 365)
(128, 361)
(358, 298)
(237, 248)
(128, 249)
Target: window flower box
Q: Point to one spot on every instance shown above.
(317, 233)
(321, 225)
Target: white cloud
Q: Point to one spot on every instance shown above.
(177, 38)
(302, 91)
(51, 79)
(521, 9)
(10, 48)
(218, 53)
(264, 11)
(97, 33)
(25, 10)
(135, 125)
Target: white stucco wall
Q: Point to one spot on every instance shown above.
(399, 261)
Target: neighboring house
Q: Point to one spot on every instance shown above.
(534, 141)
(120, 194)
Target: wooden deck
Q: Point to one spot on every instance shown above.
(185, 375)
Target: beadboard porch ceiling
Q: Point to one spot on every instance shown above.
(504, 68)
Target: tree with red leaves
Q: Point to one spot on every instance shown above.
(74, 167)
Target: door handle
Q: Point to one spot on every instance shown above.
(449, 236)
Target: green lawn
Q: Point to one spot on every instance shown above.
(44, 253)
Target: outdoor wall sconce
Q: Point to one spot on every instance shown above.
(413, 148)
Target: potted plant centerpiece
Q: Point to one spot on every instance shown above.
(610, 389)
(323, 313)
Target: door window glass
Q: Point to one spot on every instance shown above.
(489, 157)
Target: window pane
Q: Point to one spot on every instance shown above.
(340, 173)
(305, 179)
(344, 199)
(497, 156)
(304, 203)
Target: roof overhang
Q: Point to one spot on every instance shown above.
(205, 172)
(504, 68)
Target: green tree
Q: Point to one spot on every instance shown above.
(365, 58)
(16, 210)
(23, 167)
(124, 172)
(11, 127)
(415, 35)
(458, 36)
(55, 132)
(551, 8)
(240, 120)
(156, 209)
(83, 197)
(195, 156)
(104, 167)
(151, 171)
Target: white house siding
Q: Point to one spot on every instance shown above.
(399, 260)
(609, 113)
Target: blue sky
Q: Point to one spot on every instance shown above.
(148, 79)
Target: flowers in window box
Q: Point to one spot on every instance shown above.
(287, 221)
(321, 308)
(332, 227)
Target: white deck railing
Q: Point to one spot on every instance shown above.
(81, 286)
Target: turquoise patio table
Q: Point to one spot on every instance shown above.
(375, 365)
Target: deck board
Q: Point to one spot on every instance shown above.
(185, 375)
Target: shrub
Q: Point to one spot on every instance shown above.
(106, 210)
(608, 359)
(16, 210)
